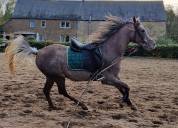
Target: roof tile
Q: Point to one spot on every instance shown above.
(94, 10)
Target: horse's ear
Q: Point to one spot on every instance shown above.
(134, 20)
(138, 19)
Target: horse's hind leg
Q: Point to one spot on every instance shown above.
(47, 88)
(122, 87)
(62, 90)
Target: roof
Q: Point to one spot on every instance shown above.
(89, 10)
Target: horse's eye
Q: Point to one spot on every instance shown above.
(143, 31)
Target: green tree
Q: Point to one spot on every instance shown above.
(172, 25)
(8, 12)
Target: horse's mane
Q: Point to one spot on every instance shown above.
(107, 29)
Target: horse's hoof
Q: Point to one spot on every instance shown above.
(52, 108)
(133, 107)
(84, 107)
(130, 104)
(121, 105)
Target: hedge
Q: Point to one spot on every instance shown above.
(1, 48)
(162, 51)
(40, 45)
(166, 48)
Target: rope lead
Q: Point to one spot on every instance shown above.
(93, 77)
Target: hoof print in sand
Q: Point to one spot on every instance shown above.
(119, 116)
(3, 115)
(72, 124)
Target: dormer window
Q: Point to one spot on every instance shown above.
(43, 23)
(65, 24)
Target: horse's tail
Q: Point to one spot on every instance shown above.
(18, 46)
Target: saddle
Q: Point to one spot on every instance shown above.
(77, 46)
(90, 51)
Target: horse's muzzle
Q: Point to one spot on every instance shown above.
(149, 45)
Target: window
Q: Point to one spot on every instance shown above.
(67, 38)
(62, 25)
(41, 37)
(64, 38)
(32, 24)
(65, 24)
(43, 23)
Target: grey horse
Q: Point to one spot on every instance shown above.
(113, 35)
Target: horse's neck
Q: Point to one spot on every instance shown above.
(115, 46)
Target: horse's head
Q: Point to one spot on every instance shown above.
(141, 37)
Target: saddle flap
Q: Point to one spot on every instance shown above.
(84, 60)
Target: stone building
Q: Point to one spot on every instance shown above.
(61, 20)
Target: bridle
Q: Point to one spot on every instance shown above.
(137, 32)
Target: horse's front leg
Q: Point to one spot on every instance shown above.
(123, 88)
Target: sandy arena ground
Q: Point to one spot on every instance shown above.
(154, 89)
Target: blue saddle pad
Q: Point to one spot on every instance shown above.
(83, 60)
